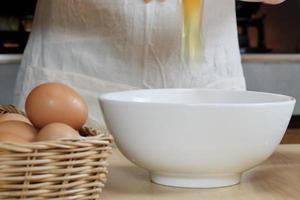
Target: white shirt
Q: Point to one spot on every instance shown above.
(99, 46)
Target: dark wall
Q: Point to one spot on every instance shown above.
(17, 7)
(283, 26)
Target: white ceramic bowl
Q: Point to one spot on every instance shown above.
(196, 138)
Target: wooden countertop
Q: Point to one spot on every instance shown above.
(10, 58)
(276, 179)
(271, 58)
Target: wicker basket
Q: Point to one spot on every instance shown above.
(59, 170)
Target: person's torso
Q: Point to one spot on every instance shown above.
(133, 43)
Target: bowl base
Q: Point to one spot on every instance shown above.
(196, 182)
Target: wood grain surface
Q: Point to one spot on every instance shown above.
(278, 178)
(292, 136)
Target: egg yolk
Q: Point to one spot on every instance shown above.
(191, 36)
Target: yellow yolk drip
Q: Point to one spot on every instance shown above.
(191, 36)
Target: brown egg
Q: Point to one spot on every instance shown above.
(19, 129)
(11, 137)
(14, 117)
(56, 102)
(57, 131)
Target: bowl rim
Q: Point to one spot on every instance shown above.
(108, 97)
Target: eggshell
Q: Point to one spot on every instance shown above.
(18, 129)
(14, 117)
(56, 102)
(11, 137)
(57, 131)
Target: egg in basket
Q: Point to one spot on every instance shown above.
(48, 152)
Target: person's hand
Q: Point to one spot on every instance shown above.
(147, 1)
(273, 1)
(267, 1)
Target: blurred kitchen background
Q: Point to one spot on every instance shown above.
(269, 39)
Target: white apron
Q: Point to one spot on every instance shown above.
(99, 46)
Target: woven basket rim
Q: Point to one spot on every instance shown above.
(81, 139)
(102, 136)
